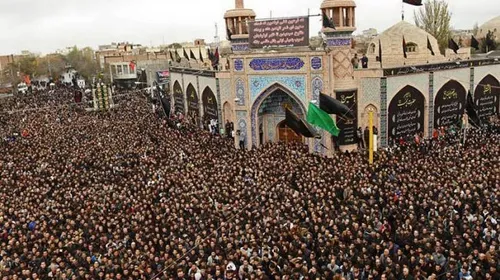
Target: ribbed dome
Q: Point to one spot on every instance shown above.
(392, 45)
(337, 3)
(492, 25)
(392, 38)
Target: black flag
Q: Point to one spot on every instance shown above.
(192, 55)
(185, 54)
(474, 43)
(298, 125)
(472, 111)
(413, 2)
(177, 57)
(171, 56)
(404, 48)
(327, 23)
(379, 57)
(453, 45)
(429, 46)
(334, 107)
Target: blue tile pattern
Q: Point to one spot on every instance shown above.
(225, 90)
(274, 64)
(243, 47)
(241, 117)
(295, 84)
(240, 92)
(338, 42)
(271, 129)
(316, 63)
(317, 87)
(370, 88)
(238, 65)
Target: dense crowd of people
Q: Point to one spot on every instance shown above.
(124, 194)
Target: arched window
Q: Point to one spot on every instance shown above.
(411, 47)
(372, 48)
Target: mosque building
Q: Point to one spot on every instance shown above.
(272, 67)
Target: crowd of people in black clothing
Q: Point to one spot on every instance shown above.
(124, 194)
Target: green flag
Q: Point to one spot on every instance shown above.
(320, 118)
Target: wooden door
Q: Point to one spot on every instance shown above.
(287, 135)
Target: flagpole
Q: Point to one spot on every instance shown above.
(370, 140)
(402, 10)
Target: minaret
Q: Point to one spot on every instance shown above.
(237, 26)
(338, 29)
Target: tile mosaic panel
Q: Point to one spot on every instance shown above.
(316, 63)
(296, 84)
(241, 117)
(225, 89)
(240, 92)
(370, 87)
(238, 65)
(338, 42)
(317, 87)
(240, 47)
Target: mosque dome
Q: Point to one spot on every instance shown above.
(492, 25)
(391, 41)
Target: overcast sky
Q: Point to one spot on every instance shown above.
(47, 25)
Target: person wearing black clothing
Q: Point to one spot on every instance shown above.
(364, 61)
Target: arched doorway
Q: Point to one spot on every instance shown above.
(286, 134)
(178, 98)
(210, 108)
(268, 112)
(487, 97)
(193, 113)
(406, 113)
(449, 105)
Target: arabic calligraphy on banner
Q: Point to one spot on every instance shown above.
(406, 113)
(280, 63)
(487, 97)
(290, 32)
(348, 128)
(192, 98)
(449, 104)
(209, 104)
(178, 98)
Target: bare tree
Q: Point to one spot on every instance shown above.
(435, 17)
